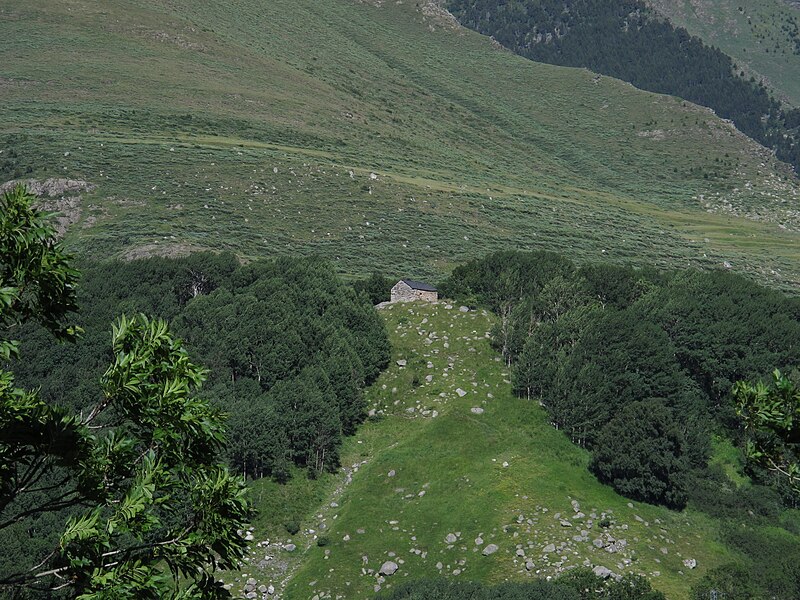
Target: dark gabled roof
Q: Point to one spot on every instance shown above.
(418, 285)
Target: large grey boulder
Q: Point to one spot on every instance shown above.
(490, 549)
(388, 568)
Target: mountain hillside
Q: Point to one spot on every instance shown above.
(379, 134)
(763, 36)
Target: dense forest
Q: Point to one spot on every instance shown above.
(289, 348)
(624, 39)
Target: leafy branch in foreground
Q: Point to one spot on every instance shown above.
(145, 510)
(771, 416)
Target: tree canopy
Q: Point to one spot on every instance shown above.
(129, 492)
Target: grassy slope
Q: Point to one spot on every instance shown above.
(754, 37)
(458, 460)
(255, 126)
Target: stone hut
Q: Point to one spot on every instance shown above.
(406, 290)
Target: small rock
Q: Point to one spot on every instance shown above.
(529, 566)
(451, 538)
(476, 410)
(290, 547)
(391, 473)
(461, 393)
(402, 362)
(690, 563)
(549, 548)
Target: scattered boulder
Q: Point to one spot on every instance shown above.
(549, 548)
(476, 410)
(402, 362)
(451, 538)
(601, 571)
(690, 563)
(290, 547)
(388, 568)
(490, 549)
(461, 393)
(529, 566)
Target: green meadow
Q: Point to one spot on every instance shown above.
(377, 134)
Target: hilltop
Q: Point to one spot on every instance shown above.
(377, 134)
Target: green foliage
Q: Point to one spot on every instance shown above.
(641, 452)
(770, 414)
(442, 589)
(589, 586)
(712, 492)
(37, 282)
(292, 527)
(143, 508)
(771, 562)
(576, 584)
(377, 287)
(731, 581)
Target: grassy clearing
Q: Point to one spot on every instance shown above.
(258, 130)
(427, 466)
